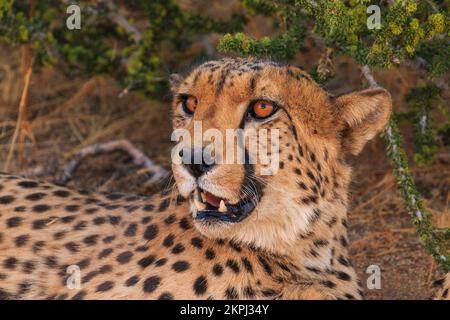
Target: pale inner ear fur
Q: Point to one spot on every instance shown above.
(361, 115)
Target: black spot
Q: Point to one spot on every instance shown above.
(40, 224)
(217, 270)
(28, 267)
(320, 243)
(328, 284)
(184, 224)
(249, 292)
(24, 287)
(109, 239)
(165, 296)
(197, 242)
(105, 269)
(310, 175)
(236, 247)
(72, 246)
(13, 222)
(37, 246)
(343, 276)
(72, 208)
(343, 241)
(61, 193)
(148, 207)
(146, 220)
(302, 185)
(67, 219)
(349, 296)
(168, 241)
(79, 296)
(40, 208)
(247, 265)
(10, 263)
(268, 292)
(180, 266)
(232, 264)
(124, 257)
(22, 240)
(91, 210)
(80, 226)
(178, 248)
(51, 262)
(99, 220)
(332, 222)
(344, 223)
(35, 196)
(342, 260)
(105, 286)
(170, 219)
(146, 261)
(151, 283)
(267, 268)
(114, 196)
(27, 184)
(114, 220)
(200, 285)
(20, 209)
(104, 253)
(161, 262)
(231, 293)
(210, 254)
(59, 235)
(131, 230)
(163, 205)
(151, 232)
(131, 281)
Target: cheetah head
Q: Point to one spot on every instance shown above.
(256, 201)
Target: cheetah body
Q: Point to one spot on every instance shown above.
(293, 245)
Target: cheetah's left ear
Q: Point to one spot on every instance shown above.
(361, 115)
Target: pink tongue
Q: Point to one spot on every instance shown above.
(212, 199)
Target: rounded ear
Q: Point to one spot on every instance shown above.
(175, 80)
(361, 115)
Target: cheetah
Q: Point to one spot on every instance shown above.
(225, 231)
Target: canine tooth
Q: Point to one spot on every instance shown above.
(222, 207)
(203, 195)
(199, 205)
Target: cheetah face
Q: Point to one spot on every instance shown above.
(280, 186)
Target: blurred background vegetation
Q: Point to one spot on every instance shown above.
(62, 90)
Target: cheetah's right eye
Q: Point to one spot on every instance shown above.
(188, 103)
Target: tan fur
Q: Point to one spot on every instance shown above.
(292, 246)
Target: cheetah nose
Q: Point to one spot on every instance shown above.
(198, 164)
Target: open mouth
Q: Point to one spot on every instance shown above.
(211, 207)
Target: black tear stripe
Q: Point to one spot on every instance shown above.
(249, 181)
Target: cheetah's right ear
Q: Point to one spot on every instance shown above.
(361, 115)
(175, 80)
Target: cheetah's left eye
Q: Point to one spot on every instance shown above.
(262, 109)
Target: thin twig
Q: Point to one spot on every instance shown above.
(156, 172)
(22, 113)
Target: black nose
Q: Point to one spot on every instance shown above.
(198, 164)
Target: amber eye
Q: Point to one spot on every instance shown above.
(262, 109)
(189, 104)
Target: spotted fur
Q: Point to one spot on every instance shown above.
(293, 246)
